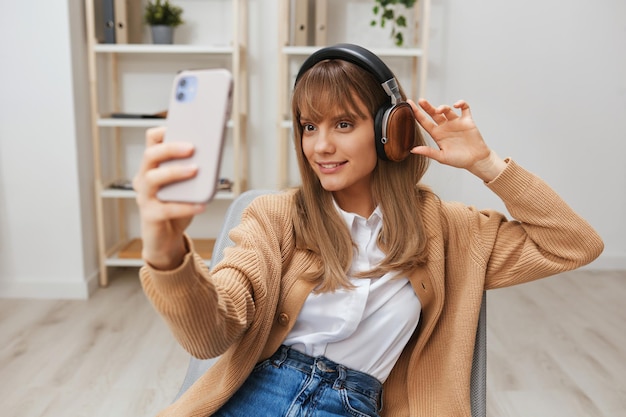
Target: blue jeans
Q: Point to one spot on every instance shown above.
(292, 384)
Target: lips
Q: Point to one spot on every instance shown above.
(330, 165)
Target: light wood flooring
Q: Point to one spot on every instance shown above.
(556, 348)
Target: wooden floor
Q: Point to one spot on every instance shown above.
(556, 347)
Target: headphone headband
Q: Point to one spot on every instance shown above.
(352, 53)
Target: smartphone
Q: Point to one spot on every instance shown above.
(198, 112)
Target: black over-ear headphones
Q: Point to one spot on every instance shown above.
(394, 123)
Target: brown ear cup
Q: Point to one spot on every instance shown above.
(395, 132)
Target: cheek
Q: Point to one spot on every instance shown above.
(366, 151)
(308, 148)
(371, 152)
(371, 159)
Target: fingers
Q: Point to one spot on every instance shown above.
(161, 152)
(154, 135)
(171, 211)
(158, 152)
(153, 174)
(444, 112)
(447, 112)
(465, 108)
(435, 113)
(147, 183)
(421, 118)
(428, 152)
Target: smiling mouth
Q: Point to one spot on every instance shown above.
(330, 166)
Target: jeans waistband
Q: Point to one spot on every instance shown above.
(336, 374)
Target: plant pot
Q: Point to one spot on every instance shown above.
(162, 34)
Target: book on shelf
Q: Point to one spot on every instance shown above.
(321, 13)
(122, 115)
(300, 22)
(122, 184)
(224, 184)
(104, 21)
(121, 22)
(118, 21)
(308, 22)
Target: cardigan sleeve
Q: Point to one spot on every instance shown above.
(207, 311)
(546, 236)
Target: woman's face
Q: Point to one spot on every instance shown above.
(340, 150)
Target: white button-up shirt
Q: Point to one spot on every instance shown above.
(365, 328)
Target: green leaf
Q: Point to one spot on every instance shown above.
(399, 39)
(390, 12)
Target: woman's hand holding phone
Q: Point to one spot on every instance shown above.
(180, 170)
(163, 223)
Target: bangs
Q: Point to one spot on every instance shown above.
(329, 88)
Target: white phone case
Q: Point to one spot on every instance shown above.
(199, 111)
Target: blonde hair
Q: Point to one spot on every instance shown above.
(327, 86)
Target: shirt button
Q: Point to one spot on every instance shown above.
(283, 319)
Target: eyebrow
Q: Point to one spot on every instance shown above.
(336, 117)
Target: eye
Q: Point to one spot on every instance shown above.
(307, 127)
(344, 125)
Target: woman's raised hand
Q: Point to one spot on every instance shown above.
(459, 141)
(163, 223)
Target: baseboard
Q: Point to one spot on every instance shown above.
(80, 290)
(84, 289)
(607, 263)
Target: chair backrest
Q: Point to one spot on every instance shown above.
(197, 367)
(478, 383)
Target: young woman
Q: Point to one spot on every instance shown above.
(357, 293)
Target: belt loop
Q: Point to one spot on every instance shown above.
(339, 381)
(380, 400)
(280, 356)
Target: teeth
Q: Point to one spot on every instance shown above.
(329, 165)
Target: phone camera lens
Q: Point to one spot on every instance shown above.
(183, 82)
(180, 96)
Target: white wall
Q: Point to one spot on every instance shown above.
(545, 80)
(46, 233)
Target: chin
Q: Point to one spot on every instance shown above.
(333, 187)
(330, 186)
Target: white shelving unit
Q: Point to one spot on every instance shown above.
(416, 53)
(115, 242)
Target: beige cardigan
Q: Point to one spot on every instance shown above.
(245, 307)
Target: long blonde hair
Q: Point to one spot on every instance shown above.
(318, 226)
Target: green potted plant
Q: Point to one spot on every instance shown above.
(389, 13)
(163, 17)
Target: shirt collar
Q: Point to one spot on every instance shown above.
(349, 218)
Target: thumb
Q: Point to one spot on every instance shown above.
(426, 151)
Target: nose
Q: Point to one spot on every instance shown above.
(324, 142)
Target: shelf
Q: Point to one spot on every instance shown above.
(386, 52)
(142, 123)
(120, 122)
(132, 250)
(115, 261)
(130, 254)
(130, 194)
(162, 49)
